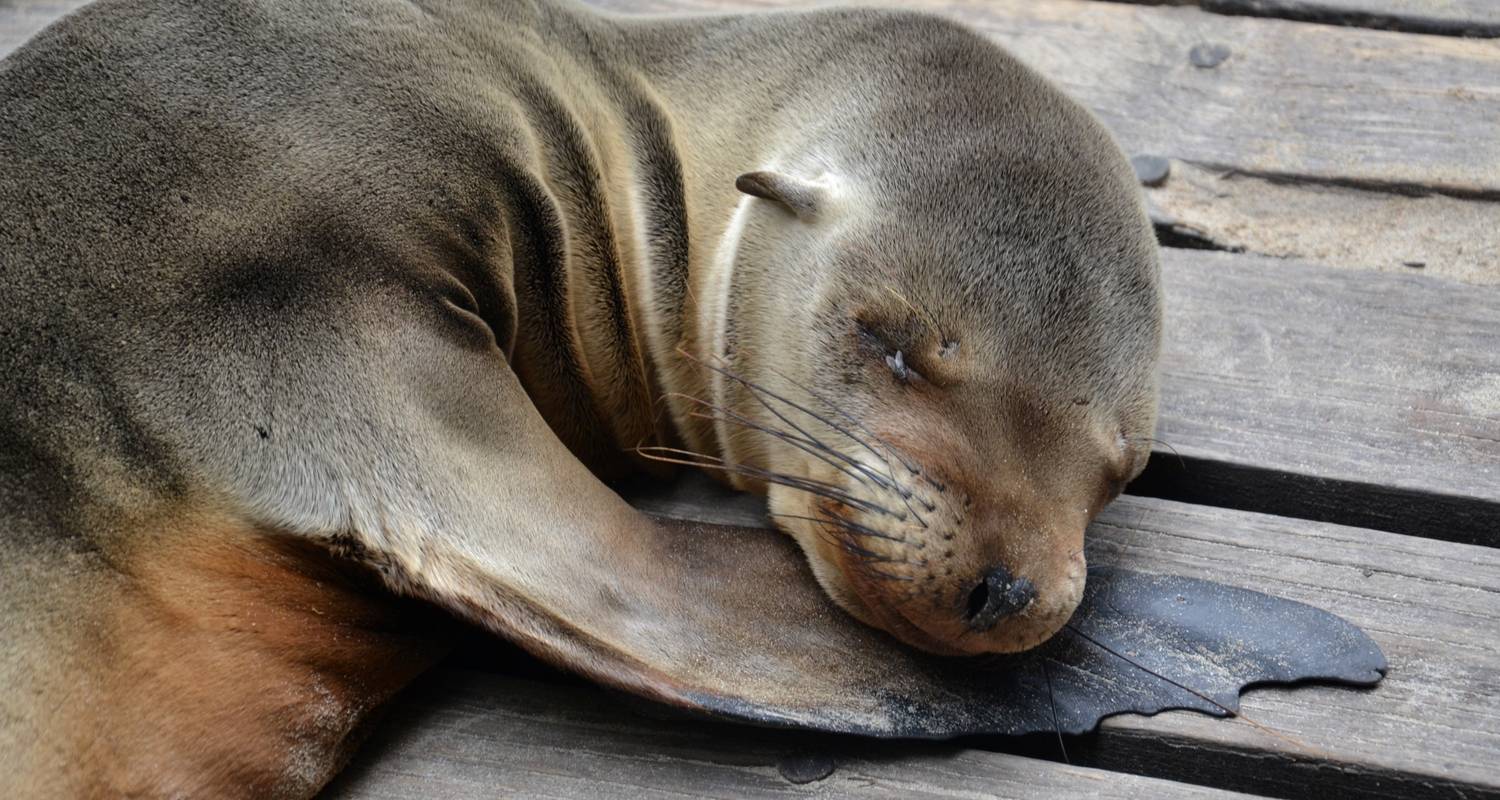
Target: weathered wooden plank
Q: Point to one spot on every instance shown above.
(1344, 105)
(1443, 17)
(1433, 606)
(1432, 729)
(21, 19)
(470, 735)
(1340, 226)
(1367, 398)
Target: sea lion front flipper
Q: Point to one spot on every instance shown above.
(756, 640)
(499, 522)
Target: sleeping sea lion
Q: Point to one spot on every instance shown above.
(305, 299)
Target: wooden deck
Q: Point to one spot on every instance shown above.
(1331, 398)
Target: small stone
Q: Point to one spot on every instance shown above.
(1414, 264)
(1208, 56)
(806, 767)
(1151, 170)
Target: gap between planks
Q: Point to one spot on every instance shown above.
(1477, 18)
(1346, 396)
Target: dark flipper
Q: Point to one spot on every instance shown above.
(1145, 643)
(774, 651)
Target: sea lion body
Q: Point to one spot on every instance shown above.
(285, 278)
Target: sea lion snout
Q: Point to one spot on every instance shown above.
(930, 557)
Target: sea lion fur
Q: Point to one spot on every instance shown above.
(396, 284)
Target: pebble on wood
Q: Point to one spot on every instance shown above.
(1208, 56)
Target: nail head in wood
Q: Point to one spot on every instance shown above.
(1151, 170)
(806, 767)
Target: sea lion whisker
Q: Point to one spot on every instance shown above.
(790, 438)
(880, 480)
(909, 463)
(654, 451)
(870, 556)
(906, 461)
(849, 546)
(800, 443)
(863, 530)
(905, 500)
(886, 576)
(808, 485)
(866, 555)
(757, 389)
(851, 526)
(1153, 440)
(923, 314)
(1052, 702)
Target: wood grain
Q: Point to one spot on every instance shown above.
(1340, 226)
(1365, 398)
(1430, 730)
(470, 735)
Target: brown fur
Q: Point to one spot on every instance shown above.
(228, 662)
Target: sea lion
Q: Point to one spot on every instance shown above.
(402, 282)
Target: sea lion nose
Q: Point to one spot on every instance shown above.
(996, 597)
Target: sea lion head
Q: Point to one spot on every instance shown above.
(940, 346)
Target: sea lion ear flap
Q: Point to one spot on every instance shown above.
(801, 197)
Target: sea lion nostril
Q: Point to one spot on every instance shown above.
(997, 596)
(978, 599)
